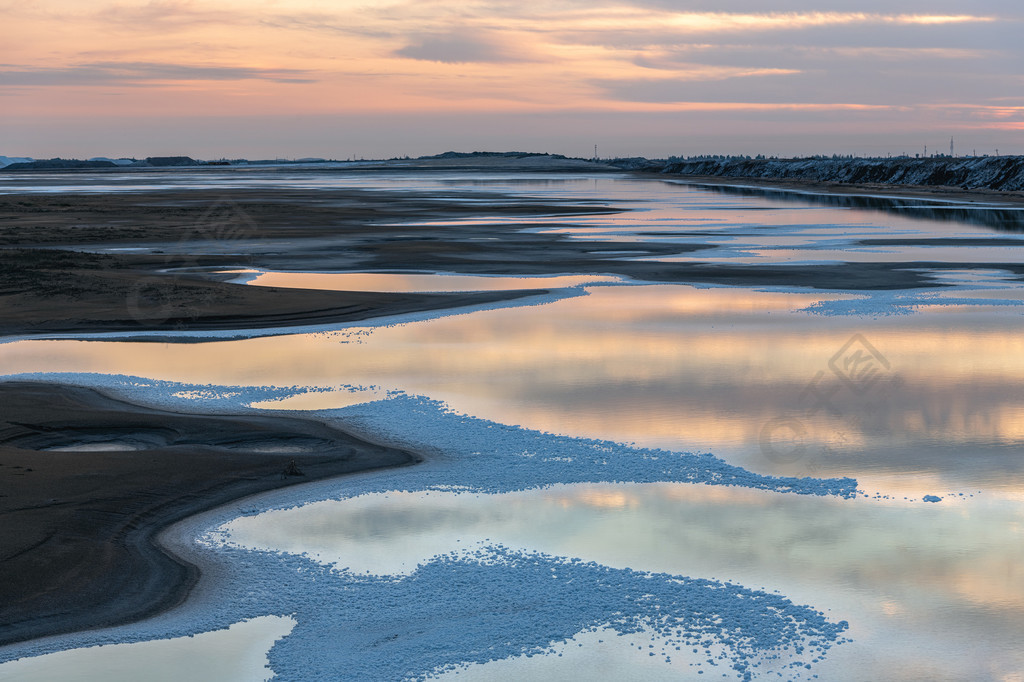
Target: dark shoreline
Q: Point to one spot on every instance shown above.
(937, 193)
(78, 528)
(64, 267)
(1001, 173)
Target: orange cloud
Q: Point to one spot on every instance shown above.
(320, 57)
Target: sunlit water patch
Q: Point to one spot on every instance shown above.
(237, 653)
(882, 566)
(913, 403)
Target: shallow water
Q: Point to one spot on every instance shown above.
(884, 567)
(913, 393)
(748, 375)
(235, 654)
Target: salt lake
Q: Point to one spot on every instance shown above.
(624, 479)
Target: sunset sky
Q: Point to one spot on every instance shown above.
(340, 79)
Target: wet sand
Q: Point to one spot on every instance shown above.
(123, 262)
(53, 292)
(77, 526)
(129, 260)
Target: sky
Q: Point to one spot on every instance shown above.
(375, 79)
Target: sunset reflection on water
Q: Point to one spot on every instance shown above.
(662, 365)
(886, 566)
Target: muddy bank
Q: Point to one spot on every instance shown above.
(87, 481)
(122, 261)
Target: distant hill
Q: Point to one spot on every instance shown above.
(58, 164)
(474, 155)
(162, 161)
(8, 160)
(99, 162)
(116, 162)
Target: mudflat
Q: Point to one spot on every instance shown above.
(149, 260)
(86, 482)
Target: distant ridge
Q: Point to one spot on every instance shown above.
(100, 162)
(58, 164)
(8, 160)
(474, 155)
(162, 161)
(1004, 173)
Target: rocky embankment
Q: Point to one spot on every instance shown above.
(1005, 173)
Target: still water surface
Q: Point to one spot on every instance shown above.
(901, 574)
(747, 375)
